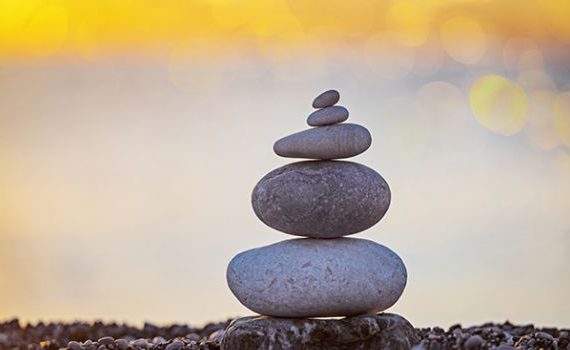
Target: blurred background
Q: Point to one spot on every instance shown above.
(132, 134)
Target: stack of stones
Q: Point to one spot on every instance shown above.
(324, 274)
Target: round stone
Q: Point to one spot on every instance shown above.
(308, 277)
(121, 344)
(328, 142)
(321, 199)
(176, 344)
(327, 98)
(474, 342)
(106, 341)
(73, 345)
(328, 116)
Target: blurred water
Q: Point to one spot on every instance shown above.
(124, 188)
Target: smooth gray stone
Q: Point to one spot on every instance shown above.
(328, 116)
(307, 277)
(327, 98)
(327, 142)
(321, 199)
(365, 332)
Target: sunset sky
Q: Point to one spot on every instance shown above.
(132, 133)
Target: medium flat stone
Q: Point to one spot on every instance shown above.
(328, 116)
(307, 277)
(365, 332)
(321, 199)
(328, 142)
(327, 98)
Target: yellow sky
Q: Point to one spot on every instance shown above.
(91, 28)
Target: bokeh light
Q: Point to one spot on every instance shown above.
(498, 104)
(430, 56)
(441, 101)
(535, 79)
(513, 51)
(463, 39)
(397, 64)
(562, 116)
(410, 21)
(287, 55)
(541, 128)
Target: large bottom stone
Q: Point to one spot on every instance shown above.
(371, 331)
(310, 277)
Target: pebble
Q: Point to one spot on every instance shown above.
(328, 116)
(545, 336)
(89, 345)
(158, 340)
(217, 336)
(106, 341)
(328, 142)
(193, 336)
(307, 277)
(474, 342)
(175, 345)
(122, 344)
(321, 199)
(140, 343)
(73, 345)
(327, 98)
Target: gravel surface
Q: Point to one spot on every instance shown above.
(494, 336)
(113, 336)
(108, 336)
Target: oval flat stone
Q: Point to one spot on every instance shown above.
(327, 98)
(321, 199)
(328, 116)
(328, 142)
(317, 278)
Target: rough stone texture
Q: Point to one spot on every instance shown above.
(328, 142)
(327, 98)
(307, 277)
(328, 116)
(321, 199)
(378, 332)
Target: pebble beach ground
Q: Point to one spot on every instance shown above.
(113, 336)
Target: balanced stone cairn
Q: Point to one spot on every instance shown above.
(324, 274)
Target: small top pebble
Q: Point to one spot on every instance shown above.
(326, 99)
